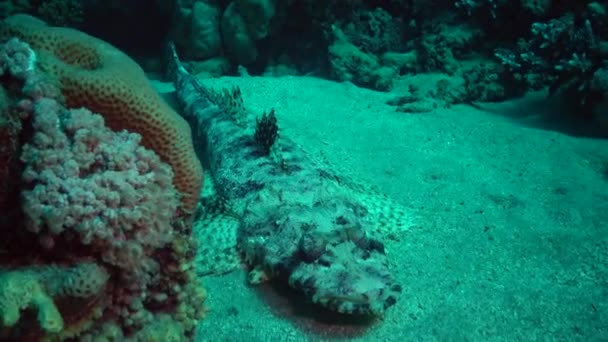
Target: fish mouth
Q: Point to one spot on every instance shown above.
(373, 303)
(348, 281)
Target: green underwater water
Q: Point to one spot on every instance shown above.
(480, 126)
(508, 240)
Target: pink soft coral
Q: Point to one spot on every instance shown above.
(17, 59)
(96, 195)
(102, 185)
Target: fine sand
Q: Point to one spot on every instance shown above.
(510, 241)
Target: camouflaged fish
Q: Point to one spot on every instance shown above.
(284, 214)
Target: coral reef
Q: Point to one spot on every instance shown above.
(548, 44)
(349, 63)
(205, 37)
(39, 287)
(95, 75)
(123, 206)
(60, 12)
(96, 246)
(10, 126)
(205, 29)
(566, 51)
(243, 23)
(374, 31)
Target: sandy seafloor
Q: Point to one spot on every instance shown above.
(510, 241)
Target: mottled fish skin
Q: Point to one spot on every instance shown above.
(296, 223)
